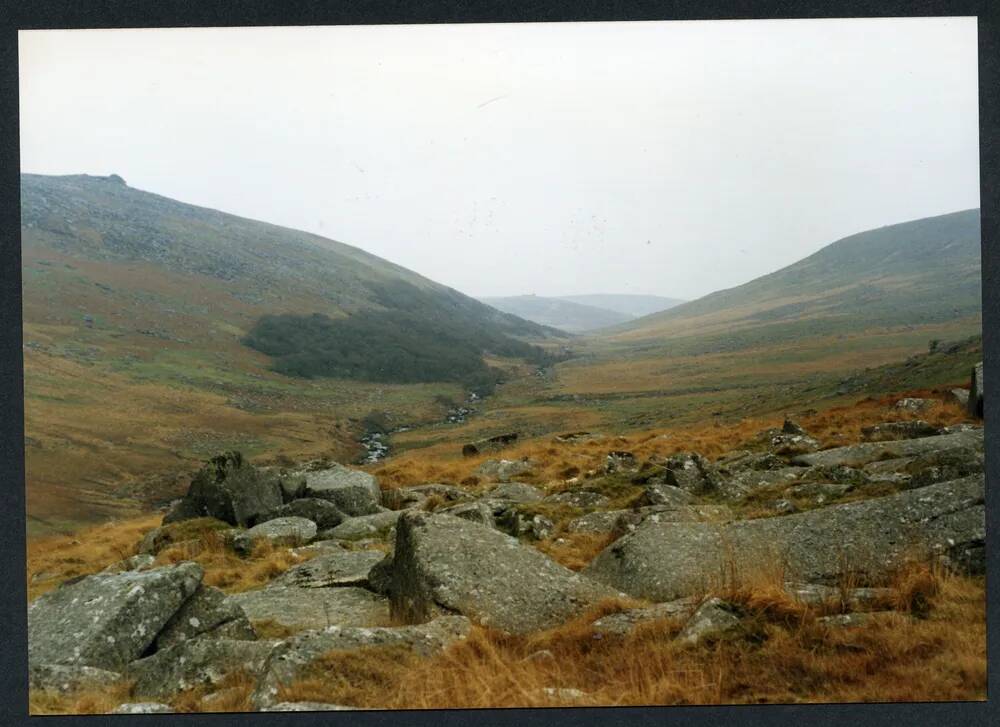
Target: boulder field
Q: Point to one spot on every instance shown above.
(435, 559)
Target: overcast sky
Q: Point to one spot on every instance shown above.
(672, 158)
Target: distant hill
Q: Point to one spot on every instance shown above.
(558, 313)
(922, 272)
(633, 306)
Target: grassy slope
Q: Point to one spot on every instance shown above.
(134, 306)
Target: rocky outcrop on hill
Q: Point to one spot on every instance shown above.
(299, 608)
(107, 621)
(857, 455)
(663, 560)
(447, 564)
(294, 657)
(353, 491)
(230, 489)
(207, 613)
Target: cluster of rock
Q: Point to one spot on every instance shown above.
(456, 557)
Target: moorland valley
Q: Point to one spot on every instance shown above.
(301, 477)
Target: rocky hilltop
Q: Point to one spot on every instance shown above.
(417, 568)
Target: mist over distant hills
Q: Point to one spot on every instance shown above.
(581, 313)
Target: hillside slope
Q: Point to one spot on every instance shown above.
(921, 272)
(558, 312)
(136, 312)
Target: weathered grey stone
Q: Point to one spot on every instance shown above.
(712, 618)
(309, 707)
(660, 493)
(625, 622)
(299, 609)
(578, 498)
(284, 531)
(230, 489)
(620, 461)
(405, 498)
(504, 470)
(353, 491)
(943, 465)
(892, 431)
(143, 708)
(293, 658)
(816, 594)
(365, 526)
(913, 404)
(858, 455)
(629, 520)
(663, 561)
(739, 485)
(106, 621)
(445, 561)
(324, 513)
(210, 613)
(196, 663)
(601, 521)
(477, 512)
(334, 568)
(961, 397)
(821, 492)
(515, 492)
(489, 444)
(691, 472)
(64, 679)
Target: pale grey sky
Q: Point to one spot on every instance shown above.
(671, 158)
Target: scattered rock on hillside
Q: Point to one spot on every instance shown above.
(666, 560)
(816, 594)
(477, 512)
(230, 489)
(405, 498)
(600, 521)
(854, 620)
(620, 461)
(364, 526)
(944, 465)
(284, 531)
(891, 431)
(353, 491)
(292, 659)
(196, 663)
(444, 562)
(300, 608)
(660, 493)
(335, 568)
(578, 498)
(857, 455)
(489, 444)
(913, 404)
(310, 707)
(64, 678)
(629, 520)
(714, 617)
(515, 492)
(324, 513)
(209, 613)
(106, 621)
(960, 397)
(625, 622)
(691, 472)
(504, 470)
(143, 708)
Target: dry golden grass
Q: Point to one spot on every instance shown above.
(56, 558)
(783, 654)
